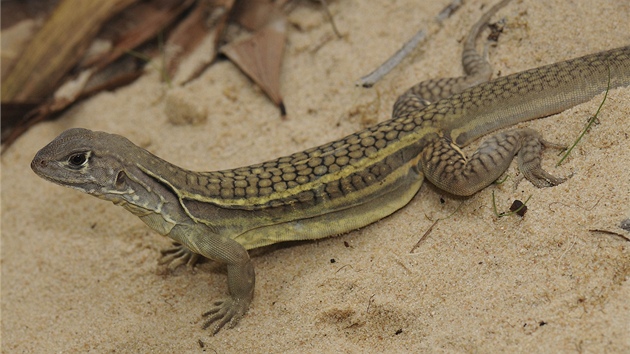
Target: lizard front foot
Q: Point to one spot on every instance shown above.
(178, 255)
(225, 311)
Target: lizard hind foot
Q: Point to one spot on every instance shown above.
(178, 255)
(227, 311)
(529, 160)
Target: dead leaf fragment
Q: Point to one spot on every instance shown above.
(260, 57)
(66, 34)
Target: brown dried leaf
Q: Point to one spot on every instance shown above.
(56, 48)
(142, 22)
(260, 57)
(254, 14)
(195, 40)
(14, 40)
(101, 70)
(20, 117)
(118, 73)
(12, 114)
(14, 12)
(222, 22)
(187, 36)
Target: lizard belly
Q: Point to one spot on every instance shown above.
(317, 222)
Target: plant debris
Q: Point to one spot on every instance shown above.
(70, 49)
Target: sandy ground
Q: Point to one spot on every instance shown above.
(80, 275)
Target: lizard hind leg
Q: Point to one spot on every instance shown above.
(446, 166)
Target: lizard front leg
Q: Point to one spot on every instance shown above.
(201, 240)
(241, 288)
(446, 166)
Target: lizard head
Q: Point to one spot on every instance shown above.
(85, 160)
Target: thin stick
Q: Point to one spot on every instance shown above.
(448, 10)
(370, 79)
(373, 77)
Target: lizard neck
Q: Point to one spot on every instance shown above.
(152, 199)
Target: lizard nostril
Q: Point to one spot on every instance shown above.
(39, 163)
(36, 164)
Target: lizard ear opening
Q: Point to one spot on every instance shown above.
(121, 180)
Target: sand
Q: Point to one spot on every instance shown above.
(80, 275)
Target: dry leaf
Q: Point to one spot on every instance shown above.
(254, 14)
(56, 48)
(187, 36)
(142, 22)
(260, 57)
(14, 40)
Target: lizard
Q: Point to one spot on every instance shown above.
(342, 185)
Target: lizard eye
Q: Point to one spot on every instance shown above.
(78, 160)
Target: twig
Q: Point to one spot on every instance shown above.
(433, 225)
(448, 10)
(424, 235)
(370, 79)
(611, 233)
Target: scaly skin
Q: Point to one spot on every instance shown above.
(333, 188)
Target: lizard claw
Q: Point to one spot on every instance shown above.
(177, 256)
(225, 311)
